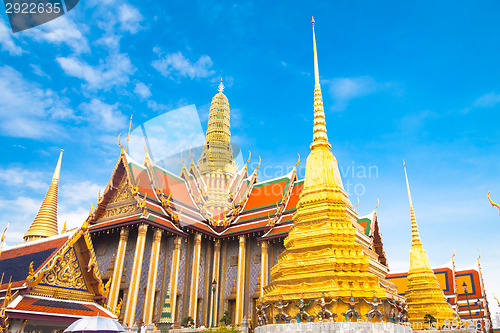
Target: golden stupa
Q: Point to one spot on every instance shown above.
(45, 222)
(216, 164)
(424, 296)
(321, 257)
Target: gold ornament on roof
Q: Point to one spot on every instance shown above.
(493, 204)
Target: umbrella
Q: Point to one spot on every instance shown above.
(95, 324)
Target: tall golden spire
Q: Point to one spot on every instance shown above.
(319, 131)
(424, 296)
(45, 222)
(415, 237)
(321, 253)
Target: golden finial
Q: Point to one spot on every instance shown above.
(249, 155)
(493, 204)
(355, 208)
(120, 144)
(453, 257)
(479, 257)
(320, 137)
(64, 228)
(221, 86)
(414, 228)
(190, 156)
(182, 159)
(376, 206)
(258, 165)
(298, 161)
(91, 210)
(45, 222)
(128, 136)
(498, 302)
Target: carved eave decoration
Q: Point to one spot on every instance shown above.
(120, 197)
(72, 273)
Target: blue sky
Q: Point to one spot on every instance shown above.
(414, 81)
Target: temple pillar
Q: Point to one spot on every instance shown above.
(135, 276)
(240, 285)
(264, 266)
(153, 271)
(215, 274)
(174, 277)
(195, 273)
(114, 290)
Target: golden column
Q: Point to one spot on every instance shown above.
(195, 274)
(424, 296)
(240, 285)
(153, 270)
(174, 277)
(264, 266)
(116, 279)
(135, 276)
(215, 274)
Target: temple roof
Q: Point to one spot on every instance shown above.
(46, 306)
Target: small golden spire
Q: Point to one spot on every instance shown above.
(45, 222)
(319, 131)
(357, 205)
(128, 136)
(415, 237)
(298, 161)
(376, 206)
(221, 86)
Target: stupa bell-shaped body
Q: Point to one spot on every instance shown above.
(424, 296)
(45, 222)
(321, 254)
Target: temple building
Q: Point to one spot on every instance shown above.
(51, 279)
(207, 239)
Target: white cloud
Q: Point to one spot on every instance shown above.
(130, 18)
(114, 72)
(25, 178)
(60, 31)
(28, 111)
(343, 90)
(487, 100)
(157, 107)
(176, 64)
(78, 192)
(142, 90)
(104, 116)
(6, 40)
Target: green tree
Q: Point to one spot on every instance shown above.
(226, 318)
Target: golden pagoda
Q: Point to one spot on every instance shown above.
(216, 164)
(45, 223)
(424, 296)
(321, 254)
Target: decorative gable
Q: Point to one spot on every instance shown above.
(66, 273)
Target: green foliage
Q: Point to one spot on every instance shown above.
(224, 329)
(226, 318)
(187, 321)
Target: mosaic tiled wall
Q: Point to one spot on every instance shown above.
(163, 280)
(104, 246)
(184, 278)
(230, 275)
(253, 273)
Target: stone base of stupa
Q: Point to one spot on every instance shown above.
(334, 327)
